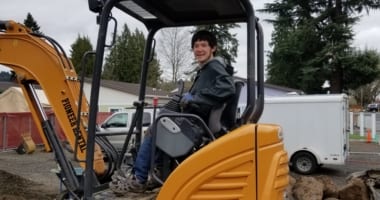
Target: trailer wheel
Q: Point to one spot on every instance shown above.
(304, 163)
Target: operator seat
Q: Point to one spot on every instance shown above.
(214, 120)
(180, 134)
(224, 118)
(177, 141)
(229, 117)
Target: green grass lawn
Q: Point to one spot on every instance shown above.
(357, 136)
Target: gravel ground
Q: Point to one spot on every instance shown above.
(27, 173)
(33, 172)
(30, 177)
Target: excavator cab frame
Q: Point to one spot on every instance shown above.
(247, 163)
(158, 14)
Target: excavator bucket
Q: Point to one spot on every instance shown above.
(27, 144)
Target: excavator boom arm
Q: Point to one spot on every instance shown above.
(39, 61)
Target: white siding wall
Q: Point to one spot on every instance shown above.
(109, 98)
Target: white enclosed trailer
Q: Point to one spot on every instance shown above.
(314, 128)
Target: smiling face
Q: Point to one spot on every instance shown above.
(203, 51)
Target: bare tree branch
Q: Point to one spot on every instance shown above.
(174, 50)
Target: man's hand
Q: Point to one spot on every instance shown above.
(186, 99)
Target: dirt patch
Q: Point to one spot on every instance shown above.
(28, 176)
(14, 187)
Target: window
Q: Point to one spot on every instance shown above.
(115, 109)
(118, 120)
(147, 118)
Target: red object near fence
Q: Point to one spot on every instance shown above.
(13, 125)
(369, 136)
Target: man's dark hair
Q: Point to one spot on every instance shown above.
(204, 35)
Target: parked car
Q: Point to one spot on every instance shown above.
(373, 107)
(116, 126)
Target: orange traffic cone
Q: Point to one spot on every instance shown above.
(369, 137)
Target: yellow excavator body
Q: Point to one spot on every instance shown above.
(230, 168)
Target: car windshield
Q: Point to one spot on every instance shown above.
(119, 120)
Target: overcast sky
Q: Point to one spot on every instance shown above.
(64, 20)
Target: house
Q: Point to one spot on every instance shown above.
(271, 90)
(113, 95)
(116, 95)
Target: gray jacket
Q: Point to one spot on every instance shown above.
(212, 86)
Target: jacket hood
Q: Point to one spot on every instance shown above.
(216, 58)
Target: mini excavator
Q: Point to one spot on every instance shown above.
(248, 162)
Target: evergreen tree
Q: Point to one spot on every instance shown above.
(78, 49)
(117, 60)
(5, 76)
(135, 51)
(154, 73)
(311, 44)
(32, 24)
(125, 59)
(227, 42)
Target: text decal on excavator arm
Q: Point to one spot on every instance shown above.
(73, 122)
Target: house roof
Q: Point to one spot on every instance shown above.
(276, 87)
(132, 88)
(282, 88)
(4, 85)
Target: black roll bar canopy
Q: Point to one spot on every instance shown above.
(169, 13)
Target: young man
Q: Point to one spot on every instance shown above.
(212, 87)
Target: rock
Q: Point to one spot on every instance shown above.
(356, 175)
(330, 189)
(289, 192)
(356, 189)
(372, 189)
(308, 188)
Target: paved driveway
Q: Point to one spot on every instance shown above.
(362, 156)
